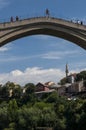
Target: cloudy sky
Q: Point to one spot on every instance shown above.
(40, 58)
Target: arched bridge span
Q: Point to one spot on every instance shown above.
(67, 30)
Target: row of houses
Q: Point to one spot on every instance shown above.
(66, 89)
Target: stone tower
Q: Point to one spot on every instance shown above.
(66, 71)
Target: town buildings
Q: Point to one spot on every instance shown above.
(71, 86)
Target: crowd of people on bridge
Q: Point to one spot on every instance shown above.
(77, 21)
(47, 13)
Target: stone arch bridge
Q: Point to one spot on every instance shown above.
(74, 32)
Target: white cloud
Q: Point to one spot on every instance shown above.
(33, 75)
(59, 54)
(49, 55)
(43, 37)
(16, 73)
(3, 49)
(3, 3)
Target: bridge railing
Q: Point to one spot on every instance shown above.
(8, 20)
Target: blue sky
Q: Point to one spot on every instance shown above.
(40, 58)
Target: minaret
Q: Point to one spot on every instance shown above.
(66, 71)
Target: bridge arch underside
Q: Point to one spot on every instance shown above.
(73, 35)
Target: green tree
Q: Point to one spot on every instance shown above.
(12, 126)
(12, 110)
(47, 117)
(17, 91)
(3, 118)
(28, 118)
(60, 124)
(63, 81)
(52, 98)
(29, 95)
(81, 75)
(30, 88)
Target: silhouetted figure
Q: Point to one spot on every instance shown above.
(47, 12)
(11, 19)
(81, 23)
(17, 18)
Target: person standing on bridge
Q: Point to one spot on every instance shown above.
(17, 18)
(47, 13)
(11, 19)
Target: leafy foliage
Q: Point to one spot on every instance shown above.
(27, 112)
